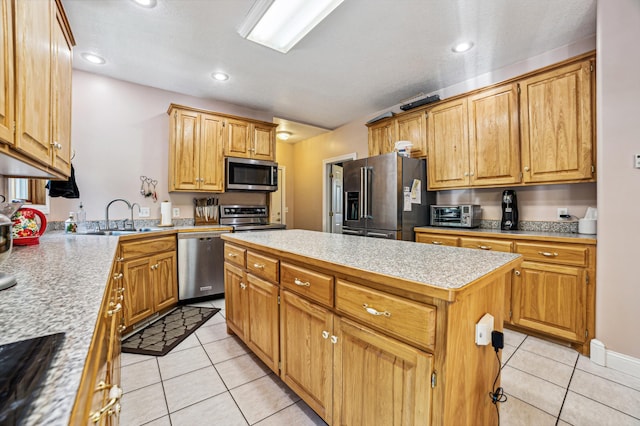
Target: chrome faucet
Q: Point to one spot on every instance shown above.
(108, 227)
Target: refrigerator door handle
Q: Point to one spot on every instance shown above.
(369, 207)
(362, 193)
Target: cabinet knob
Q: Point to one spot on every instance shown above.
(526, 168)
(117, 307)
(334, 339)
(117, 277)
(517, 272)
(325, 334)
(112, 407)
(243, 286)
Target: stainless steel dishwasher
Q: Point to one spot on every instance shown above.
(200, 264)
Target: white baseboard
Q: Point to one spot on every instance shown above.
(624, 363)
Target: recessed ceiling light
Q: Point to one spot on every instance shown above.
(220, 76)
(146, 3)
(462, 47)
(93, 58)
(283, 135)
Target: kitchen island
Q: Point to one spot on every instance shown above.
(367, 330)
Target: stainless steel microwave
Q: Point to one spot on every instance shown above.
(461, 216)
(245, 174)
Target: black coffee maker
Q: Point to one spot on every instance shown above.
(509, 210)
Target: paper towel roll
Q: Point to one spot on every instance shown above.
(587, 226)
(165, 213)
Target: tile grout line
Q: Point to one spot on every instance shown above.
(567, 390)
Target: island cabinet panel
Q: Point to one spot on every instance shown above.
(307, 352)
(379, 380)
(551, 299)
(235, 299)
(408, 320)
(557, 124)
(262, 328)
(235, 255)
(306, 282)
(263, 266)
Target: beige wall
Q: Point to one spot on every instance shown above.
(120, 131)
(308, 156)
(618, 294)
(284, 158)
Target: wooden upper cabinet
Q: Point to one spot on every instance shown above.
(381, 137)
(61, 94)
(195, 151)
(264, 142)
(494, 139)
(412, 128)
(448, 145)
(247, 139)
(557, 124)
(6, 73)
(33, 23)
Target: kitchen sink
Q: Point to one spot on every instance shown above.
(116, 232)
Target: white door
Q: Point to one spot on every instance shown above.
(337, 203)
(277, 203)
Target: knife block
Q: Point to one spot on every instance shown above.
(209, 220)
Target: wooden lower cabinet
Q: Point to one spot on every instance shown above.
(149, 268)
(262, 327)
(436, 239)
(378, 380)
(235, 300)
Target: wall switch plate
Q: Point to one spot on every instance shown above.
(176, 212)
(144, 212)
(637, 161)
(484, 327)
(562, 211)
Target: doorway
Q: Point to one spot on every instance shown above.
(277, 202)
(333, 193)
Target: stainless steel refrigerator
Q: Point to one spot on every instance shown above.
(386, 197)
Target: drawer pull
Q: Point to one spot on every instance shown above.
(547, 254)
(484, 247)
(243, 286)
(233, 255)
(116, 308)
(258, 265)
(118, 276)
(121, 328)
(438, 243)
(120, 290)
(296, 281)
(375, 312)
(112, 407)
(325, 334)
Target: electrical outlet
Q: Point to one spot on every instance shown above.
(176, 212)
(562, 211)
(144, 212)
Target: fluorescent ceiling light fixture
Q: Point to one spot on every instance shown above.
(93, 58)
(146, 3)
(280, 24)
(462, 47)
(220, 76)
(283, 135)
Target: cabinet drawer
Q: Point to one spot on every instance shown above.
(551, 253)
(262, 266)
(486, 244)
(138, 248)
(401, 317)
(437, 239)
(314, 285)
(234, 254)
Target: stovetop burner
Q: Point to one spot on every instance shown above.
(23, 366)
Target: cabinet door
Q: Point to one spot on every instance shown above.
(264, 142)
(557, 124)
(307, 352)
(165, 285)
(412, 128)
(184, 150)
(33, 20)
(381, 137)
(494, 140)
(61, 96)
(139, 302)
(237, 142)
(448, 145)
(6, 72)
(235, 300)
(262, 331)
(211, 160)
(551, 299)
(378, 380)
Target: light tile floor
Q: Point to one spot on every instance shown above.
(213, 379)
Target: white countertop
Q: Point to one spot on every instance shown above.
(438, 266)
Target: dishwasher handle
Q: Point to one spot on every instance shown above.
(200, 235)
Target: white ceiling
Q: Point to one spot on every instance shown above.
(366, 56)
